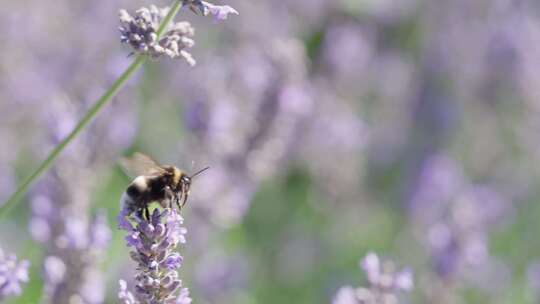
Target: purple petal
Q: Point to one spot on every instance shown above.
(220, 12)
(173, 261)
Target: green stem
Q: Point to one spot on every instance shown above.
(172, 12)
(90, 115)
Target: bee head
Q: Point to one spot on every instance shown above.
(185, 184)
(186, 180)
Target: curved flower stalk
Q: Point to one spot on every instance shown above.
(61, 205)
(385, 283)
(154, 244)
(153, 32)
(12, 274)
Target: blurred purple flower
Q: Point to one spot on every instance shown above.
(69, 270)
(183, 297)
(220, 12)
(12, 274)
(347, 52)
(345, 295)
(440, 178)
(219, 273)
(61, 219)
(100, 235)
(385, 283)
(54, 270)
(124, 295)
(63, 81)
(75, 242)
(154, 243)
(455, 217)
(533, 278)
(384, 275)
(268, 82)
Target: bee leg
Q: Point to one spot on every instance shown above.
(186, 194)
(147, 213)
(177, 199)
(170, 196)
(173, 201)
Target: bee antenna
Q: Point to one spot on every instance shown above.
(199, 172)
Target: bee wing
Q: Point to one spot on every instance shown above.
(140, 164)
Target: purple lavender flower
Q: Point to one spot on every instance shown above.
(385, 283)
(75, 241)
(61, 202)
(69, 269)
(54, 270)
(183, 297)
(154, 243)
(12, 274)
(124, 295)
(269, 83)
(533, 278)
(455, 217)
(220, 12)
(346, 295)
(140, 32)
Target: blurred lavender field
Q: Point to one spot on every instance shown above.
(333, 129)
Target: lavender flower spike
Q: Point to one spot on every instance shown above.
(12, 274)
(140, 32)
(154, 243)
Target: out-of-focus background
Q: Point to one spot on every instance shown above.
(333, 128)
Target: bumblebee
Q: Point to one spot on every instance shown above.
(153, 182)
